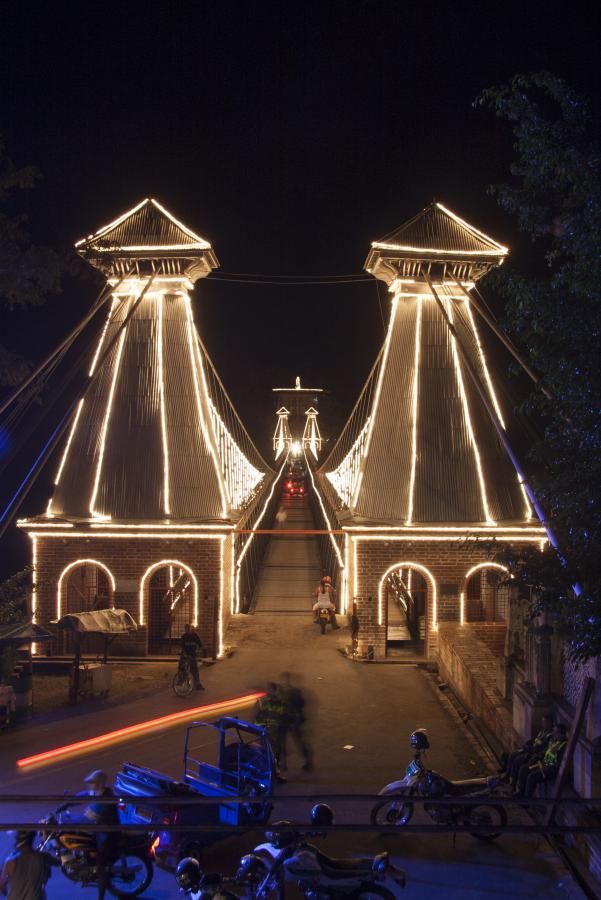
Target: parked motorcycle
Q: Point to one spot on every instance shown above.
(286, 856)
(419, 781)
(131, 871)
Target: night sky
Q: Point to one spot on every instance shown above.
(288, 134)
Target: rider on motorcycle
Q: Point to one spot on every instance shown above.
(325, 595)
(100, 813)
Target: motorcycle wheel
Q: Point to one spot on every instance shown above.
(391, 811)
(183, 685)
(322, 625)
(486, 815)
(130, 875)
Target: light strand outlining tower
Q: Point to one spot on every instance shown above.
(419, 464)
(156, 468)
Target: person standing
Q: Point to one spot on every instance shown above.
(99, 813)
(354, 623)
(269, 714)
(26, 871)
(191, 647)
(293, 722)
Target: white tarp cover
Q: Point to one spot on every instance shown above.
(101, 621)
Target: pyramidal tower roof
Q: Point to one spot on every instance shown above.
(419, 447)
(437, 229)
(153, 438)
(148, 232)
(435, 236)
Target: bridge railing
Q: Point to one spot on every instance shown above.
(249, 549)
(331, 547)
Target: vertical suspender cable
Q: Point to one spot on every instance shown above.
(26, 485)
(100, 300)
(503, 338)
(495, 420)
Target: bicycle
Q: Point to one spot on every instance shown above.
(183, 682)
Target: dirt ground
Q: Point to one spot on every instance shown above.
(51, 692)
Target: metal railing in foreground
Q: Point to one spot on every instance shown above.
(591, 808)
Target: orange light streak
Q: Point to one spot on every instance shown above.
(161, 721)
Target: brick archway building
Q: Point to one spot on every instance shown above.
(149, 473)
(419, 477)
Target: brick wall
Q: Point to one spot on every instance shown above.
(448, 563)
(470, 667)
(128, 560)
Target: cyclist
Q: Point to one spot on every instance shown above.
(191, 647)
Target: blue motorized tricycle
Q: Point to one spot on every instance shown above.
(243, 766)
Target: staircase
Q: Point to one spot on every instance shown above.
(291, 567)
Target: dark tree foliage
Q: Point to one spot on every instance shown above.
(27, 273)
(555, 194)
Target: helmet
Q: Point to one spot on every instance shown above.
(419, 739)
(188, 874)
(322, 814)
(251, 867)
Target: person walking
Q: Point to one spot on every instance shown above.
(269, 713)
(26, 871)
(191, 647)
(293, 722)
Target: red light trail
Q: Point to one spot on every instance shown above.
(138, 728)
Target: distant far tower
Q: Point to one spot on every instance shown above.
(282, 439)
(155, 470)
(311, 435)
(419, 478)
(297, 425)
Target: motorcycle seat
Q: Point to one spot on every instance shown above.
(344, 868)
(465, 786)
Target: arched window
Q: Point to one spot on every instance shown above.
(85, 586)
(486, 593)
(169, 601)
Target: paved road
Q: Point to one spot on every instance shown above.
(360, 717)
(370, 709)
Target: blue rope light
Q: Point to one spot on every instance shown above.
(33, 468)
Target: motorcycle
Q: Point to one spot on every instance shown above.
(286, 856)
(131, 871)
(197, 885)
(323, 617)
(397, 809)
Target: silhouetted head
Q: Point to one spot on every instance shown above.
(547, 722)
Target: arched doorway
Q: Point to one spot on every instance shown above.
(404, 598)
(171, 605)
(84, 586)
(486, 593)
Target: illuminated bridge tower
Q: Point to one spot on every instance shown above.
(419, 481)
(155, 469)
